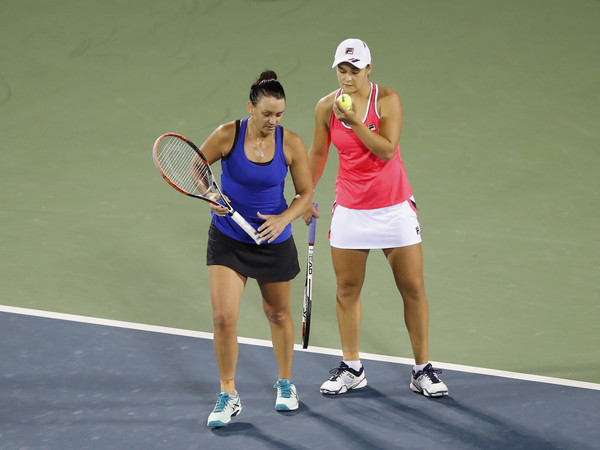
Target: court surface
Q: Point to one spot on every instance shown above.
(68, 384)
(500, 139)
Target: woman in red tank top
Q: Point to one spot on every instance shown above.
(373, 205)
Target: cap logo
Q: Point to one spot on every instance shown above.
(349, 50)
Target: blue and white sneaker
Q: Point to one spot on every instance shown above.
(227, 406)
(344, 378)
(427, 382)
(287, 397)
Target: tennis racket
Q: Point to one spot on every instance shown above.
(185, 168)
(307, 305)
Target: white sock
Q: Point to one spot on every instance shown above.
(417, 369)
(354, 365)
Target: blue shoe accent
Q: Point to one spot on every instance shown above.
(287, 397)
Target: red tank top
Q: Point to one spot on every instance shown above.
(364, 180)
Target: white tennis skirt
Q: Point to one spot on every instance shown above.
(389, 227)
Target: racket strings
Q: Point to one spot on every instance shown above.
(183, 166)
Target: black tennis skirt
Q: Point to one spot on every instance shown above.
(270, 262)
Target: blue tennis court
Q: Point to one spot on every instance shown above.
(68, 384)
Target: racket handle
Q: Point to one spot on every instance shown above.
(312, 227)
(246, 227)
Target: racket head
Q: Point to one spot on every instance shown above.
(183, 165)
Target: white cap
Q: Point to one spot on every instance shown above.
(353, 51)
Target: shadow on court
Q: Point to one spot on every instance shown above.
(70, 385)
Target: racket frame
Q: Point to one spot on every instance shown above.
(237, 217)
(308, 283)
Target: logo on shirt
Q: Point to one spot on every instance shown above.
(372, 126)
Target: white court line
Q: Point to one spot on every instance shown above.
(312, 349)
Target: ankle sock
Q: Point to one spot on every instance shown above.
(418, 368)
(354, 365)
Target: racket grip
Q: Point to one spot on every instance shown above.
(246, 227)
(312, 227)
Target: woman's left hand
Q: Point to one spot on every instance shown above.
(272, 226)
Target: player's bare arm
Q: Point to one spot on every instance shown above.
(384, 143)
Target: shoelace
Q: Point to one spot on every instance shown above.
(431, 373)
(286, 389)
(222, 400)
(335, 373)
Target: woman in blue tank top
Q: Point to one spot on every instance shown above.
(255, 156)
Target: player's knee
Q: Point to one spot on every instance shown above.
(276, 317)
(222, 321)
(348, 291)
(413, 292)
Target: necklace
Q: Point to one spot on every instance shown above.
(260, 144)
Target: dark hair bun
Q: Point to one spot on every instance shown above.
(266, 85)
(267, 75)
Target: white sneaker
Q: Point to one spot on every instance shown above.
(287, 397)
(344, 378)
(428, 383)
(227, 406)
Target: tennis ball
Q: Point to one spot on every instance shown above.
(346, 101)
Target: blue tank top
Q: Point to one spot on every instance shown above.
(252, 187)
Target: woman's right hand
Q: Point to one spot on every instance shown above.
(309, 213)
